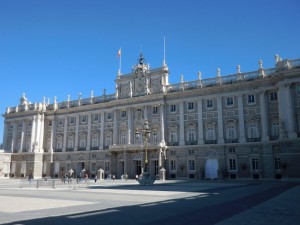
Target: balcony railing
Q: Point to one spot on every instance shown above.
(235, 140)
(172, 143)
(191, 143)
(70, 149)
(94, 148)
(209, 142)
(81, 148)
(253, 139)
(105, 147)
(58, 150)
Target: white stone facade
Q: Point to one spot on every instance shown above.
(244, 125)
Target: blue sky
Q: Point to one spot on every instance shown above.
(60, 47)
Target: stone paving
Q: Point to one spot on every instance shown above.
(166, 202)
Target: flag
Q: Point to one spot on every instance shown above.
(119, 53)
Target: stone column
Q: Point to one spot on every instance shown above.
(37, 133)
(130, 127)
(286, 112)
(264, 117)
(125, 162)
(41, 137)
(220, 121)
(88, 146)
(76, 133)
(145, 112)
(200, 123)
(181, 124)
(5, 135)
(101, 131)
(65, 134)
(33, 131)
(22, 136)
(162, 124)
(14, 136)
(116, 130)
(242, 138)
(52, 139)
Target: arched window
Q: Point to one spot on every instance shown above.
(108, 138)
(95, 140)
(173, 134)
(210, 132)
(253, 129)
(231, 130)
(191, 133)
(123, 138)
(275, 129)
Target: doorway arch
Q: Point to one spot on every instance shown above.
(211, 165)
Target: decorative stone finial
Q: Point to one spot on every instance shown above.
(181, 78)
(218, 72)
(92, 94)
(69, 97)
(260, 63)
(277, 58)
(54, 100)
(238, 69)
(199, 75)
(79, 95)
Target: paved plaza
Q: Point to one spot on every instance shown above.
(166, 202)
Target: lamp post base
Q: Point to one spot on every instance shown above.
(146, 179)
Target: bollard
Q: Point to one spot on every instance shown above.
(53, 184)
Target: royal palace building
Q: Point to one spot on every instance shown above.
(239, 126)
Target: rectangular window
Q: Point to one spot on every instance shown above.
(123, 113)
(96, 117)
(109, 116)
(72, 120)
(155, 110)
(93, 167)
(191, 164)
(156, 167)
(173, 152)
(229, 101)
(298, 89)
(273, 96)
(254, 164)
(209, 103)
(190, 105)
(277, 164)
(173, 108)
(60, 122)
(232, 164)
(191, 152)
(173, 165)
(251, 99)
(231, 149)
(83, 119)
(106, 166)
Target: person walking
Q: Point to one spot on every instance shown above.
(96, 178)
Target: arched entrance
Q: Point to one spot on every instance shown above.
(211, 165)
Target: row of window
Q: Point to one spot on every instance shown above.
(190, 106)
(232, 165)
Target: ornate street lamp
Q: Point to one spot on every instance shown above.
(145, 179)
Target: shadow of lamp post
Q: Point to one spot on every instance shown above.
(145, 179)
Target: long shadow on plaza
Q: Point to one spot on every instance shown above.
(208, 209)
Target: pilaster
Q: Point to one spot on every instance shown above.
(162, 124)
(200, 123)
(76, 133)
(220, 121)
(102, 130)
(181, 124)
(65, 133)
(242, 138)
(89, 132)
(264, 117)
